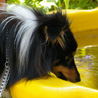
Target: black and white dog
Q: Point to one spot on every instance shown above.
(37, 44)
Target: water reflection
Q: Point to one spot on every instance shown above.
(87, 63)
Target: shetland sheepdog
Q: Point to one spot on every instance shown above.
(37, 43)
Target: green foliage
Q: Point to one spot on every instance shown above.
(48, 5)
(13, 1)
(83, 4)
(67, 3)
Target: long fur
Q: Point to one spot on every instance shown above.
(35, 41)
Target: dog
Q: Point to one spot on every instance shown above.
(37, 44)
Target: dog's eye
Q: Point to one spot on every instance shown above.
(69, 61)
(56, 62)
(70, 57)
(66, 57)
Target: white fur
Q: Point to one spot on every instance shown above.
(29, 23)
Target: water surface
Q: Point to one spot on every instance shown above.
(87, 63)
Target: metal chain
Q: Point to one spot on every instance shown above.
(6, 74)
(5, 79)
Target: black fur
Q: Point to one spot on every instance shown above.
(44, 47)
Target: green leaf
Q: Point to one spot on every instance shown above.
(52, 0)
(67, 3)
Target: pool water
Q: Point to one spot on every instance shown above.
(87, 63)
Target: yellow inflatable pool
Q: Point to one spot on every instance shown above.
(50, 87)
(85, 27)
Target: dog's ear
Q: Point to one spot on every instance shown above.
(54, 37)
(56, 27)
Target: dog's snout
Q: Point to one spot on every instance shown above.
(78, 79)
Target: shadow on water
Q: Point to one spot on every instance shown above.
(87, 63)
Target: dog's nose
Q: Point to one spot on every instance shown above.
(78, 79)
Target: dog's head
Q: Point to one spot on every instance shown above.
(63, 46)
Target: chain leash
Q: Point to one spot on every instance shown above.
(4, 79)
(6, 74)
